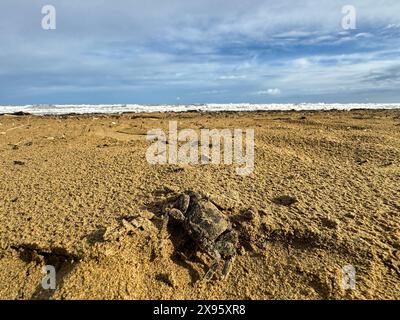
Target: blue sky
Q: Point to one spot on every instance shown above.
(187, 51)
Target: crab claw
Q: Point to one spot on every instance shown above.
(228, 267)
(211, 271)
(176, 214)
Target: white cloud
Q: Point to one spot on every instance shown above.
(301, 63)
(232, 77)
(364, 35)
(270, 92)
(229, 49)
(393, 26)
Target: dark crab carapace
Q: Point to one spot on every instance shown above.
(207, 226)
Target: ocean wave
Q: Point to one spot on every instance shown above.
(60, 109)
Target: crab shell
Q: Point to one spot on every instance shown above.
(204, 220)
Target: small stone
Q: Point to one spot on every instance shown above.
(147, 215)
(128, 226)
(330, 223)
(19, 162)
(112, 233)
(143, 223)
(50, 138)
(137, 222)
(285, 200)
(350, 215)
(361, 161)
(250, 215)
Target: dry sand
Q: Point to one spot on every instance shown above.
(67, 183)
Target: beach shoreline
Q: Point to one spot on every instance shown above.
(178, 108)
(151, 113)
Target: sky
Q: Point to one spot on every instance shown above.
(192, 51)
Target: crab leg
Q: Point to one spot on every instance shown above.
(163, 236)
(228, 267)
(211, 271)
(217, 258)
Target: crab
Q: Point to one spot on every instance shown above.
(208, 227)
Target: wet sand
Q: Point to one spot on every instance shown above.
(77, 192)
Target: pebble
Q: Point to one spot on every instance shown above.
(145, 224)
(128, 226)
(147, 215)
(285, 200)
(250, 215)
(112, 233)
(330, 223)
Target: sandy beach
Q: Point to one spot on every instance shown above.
(77, 192)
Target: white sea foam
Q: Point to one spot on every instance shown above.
(59, 109)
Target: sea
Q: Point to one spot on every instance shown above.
(62, 109)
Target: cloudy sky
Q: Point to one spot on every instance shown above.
(199, 51)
